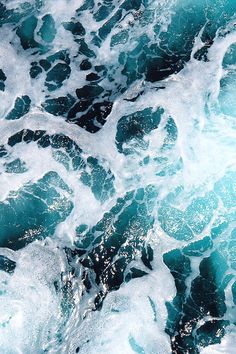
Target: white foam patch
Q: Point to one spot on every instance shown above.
(132, 315)
(30, 312)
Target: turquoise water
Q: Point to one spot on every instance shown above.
(117, 177)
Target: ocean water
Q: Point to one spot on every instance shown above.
(118, 176)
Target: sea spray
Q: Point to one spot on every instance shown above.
(117, 174)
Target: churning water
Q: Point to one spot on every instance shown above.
(117, 176)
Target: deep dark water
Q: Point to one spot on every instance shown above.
(117, 176)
